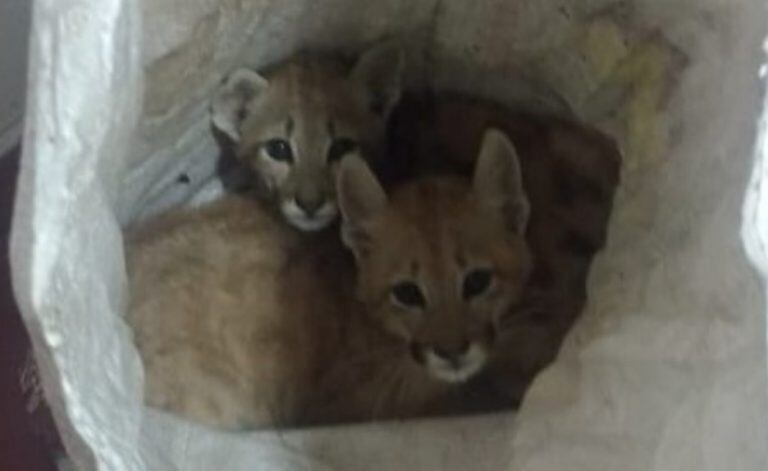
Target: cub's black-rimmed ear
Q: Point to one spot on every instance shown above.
(232, 99)
(380, 71)
(498, 180)
(360, 198)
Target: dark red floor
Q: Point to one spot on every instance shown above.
(28, 442)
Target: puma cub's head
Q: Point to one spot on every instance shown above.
(441, 259)
(293, 125)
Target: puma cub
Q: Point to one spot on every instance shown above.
(242, 322)
(570, 174)
(293, 124)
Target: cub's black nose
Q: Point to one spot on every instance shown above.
(309, 205)
(452, 354)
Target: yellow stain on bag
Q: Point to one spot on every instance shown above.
(633, 78)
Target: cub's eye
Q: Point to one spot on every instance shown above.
(476, 282)
(340, 148)
(408, 294)
(279, 149)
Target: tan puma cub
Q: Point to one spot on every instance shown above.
(241, 321)
(570, 173)
(293, 124)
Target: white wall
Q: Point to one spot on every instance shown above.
(14, 28)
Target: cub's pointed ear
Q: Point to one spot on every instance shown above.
(498, 181)
(361, 198)
(380, 71)
(233, 98)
